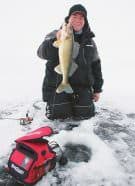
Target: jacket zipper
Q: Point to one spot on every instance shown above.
(84, 57)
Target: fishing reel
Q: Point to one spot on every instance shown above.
(26, 120)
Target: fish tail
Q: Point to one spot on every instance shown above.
(64, 88)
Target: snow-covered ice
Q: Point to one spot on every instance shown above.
(103, 154)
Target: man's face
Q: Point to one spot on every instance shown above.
(77, 21)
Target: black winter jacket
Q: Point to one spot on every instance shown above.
(88, 73)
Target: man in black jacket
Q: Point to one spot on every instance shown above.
(86, 81)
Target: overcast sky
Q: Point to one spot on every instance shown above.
(23, 26)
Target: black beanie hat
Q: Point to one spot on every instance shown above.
(77, 8)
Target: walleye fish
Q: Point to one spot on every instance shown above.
(66, 67)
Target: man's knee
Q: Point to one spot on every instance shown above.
(59, 106)
(84, 112)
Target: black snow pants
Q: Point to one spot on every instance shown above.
(78, 105)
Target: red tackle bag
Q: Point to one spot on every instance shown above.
(32, 157)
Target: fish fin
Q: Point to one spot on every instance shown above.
(73, 68)
(64, 88)
(56, 43)
(58, 69)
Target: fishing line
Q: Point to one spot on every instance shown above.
(54, 96)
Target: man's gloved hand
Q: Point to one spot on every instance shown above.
(96, 96)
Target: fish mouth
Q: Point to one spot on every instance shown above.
(69, 28)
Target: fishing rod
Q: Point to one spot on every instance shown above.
(23, 121)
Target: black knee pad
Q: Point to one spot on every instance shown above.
(83, 112)
(83, 106)
(60, 111)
